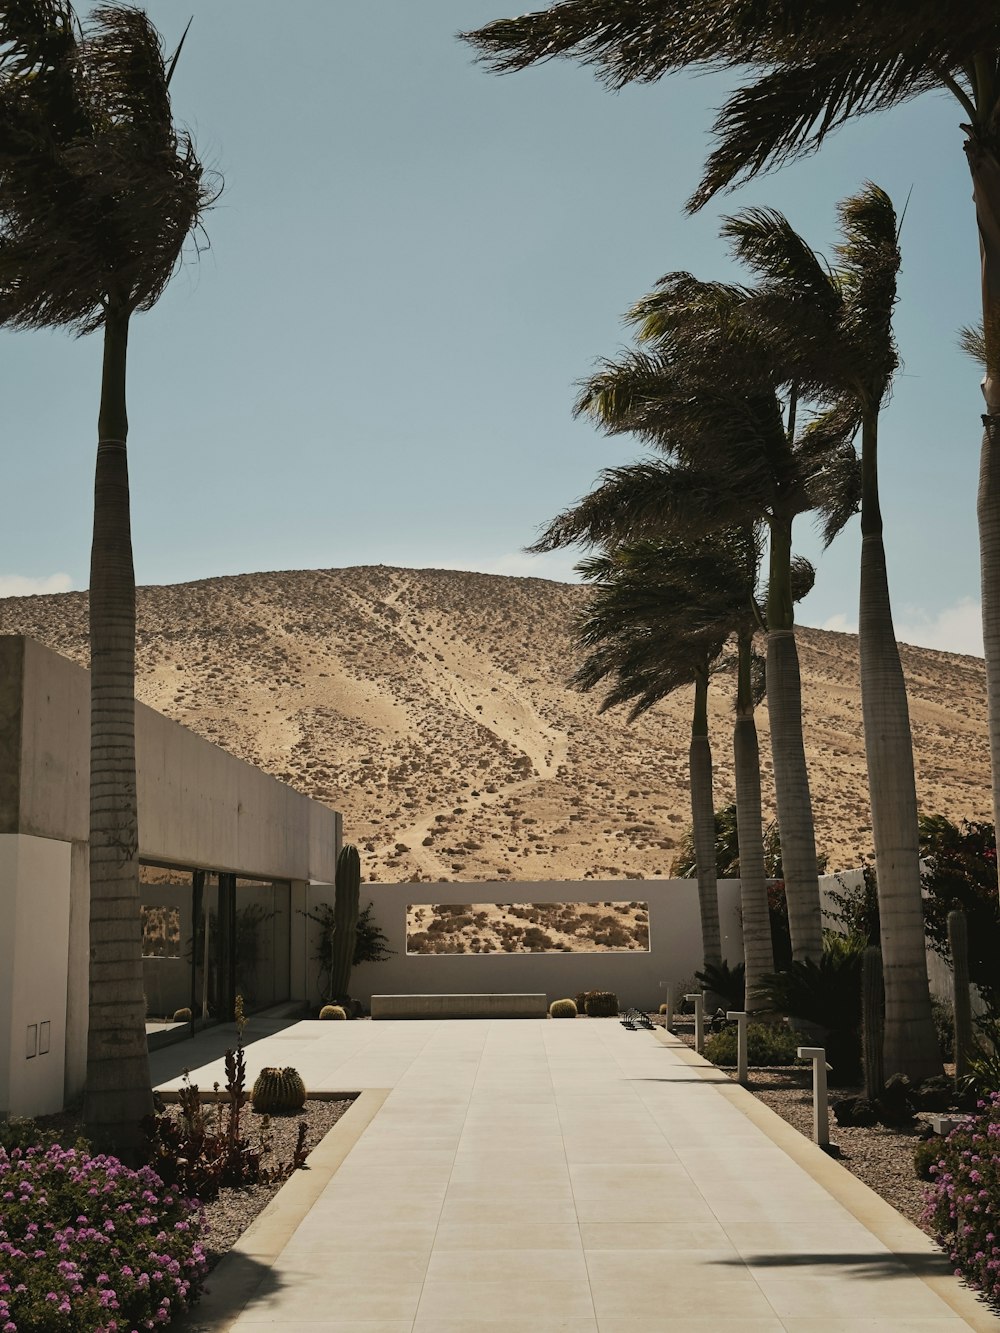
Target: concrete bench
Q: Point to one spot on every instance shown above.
(459, 1006)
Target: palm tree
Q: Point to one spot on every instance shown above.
(838, 342)
(706, 396)
(659, 619)
(99, 194)
(808, 68)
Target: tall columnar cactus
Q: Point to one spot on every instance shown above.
(958, 943)
(345, 919)
(872, 1021)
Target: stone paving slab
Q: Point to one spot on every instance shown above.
(570, 1177)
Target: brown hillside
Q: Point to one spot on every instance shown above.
(430, 706)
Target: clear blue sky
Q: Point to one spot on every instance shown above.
(412, 263)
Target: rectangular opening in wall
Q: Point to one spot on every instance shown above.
(621, 927)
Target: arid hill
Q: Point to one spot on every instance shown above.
(431, 707)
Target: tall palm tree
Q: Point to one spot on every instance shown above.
(807, 68)
(659, 619)
(99, 193)
(839, 344)
(706, 396)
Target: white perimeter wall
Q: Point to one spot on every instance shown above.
(638, 979)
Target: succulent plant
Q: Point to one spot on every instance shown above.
(182, 1015)
(562, 1009)
(278, 1090)
(602, 1004)
(345, 919)
(332, 1011)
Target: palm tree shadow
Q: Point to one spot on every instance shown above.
(878, 1266)
(237, 1282)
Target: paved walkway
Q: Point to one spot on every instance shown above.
(534, 1176)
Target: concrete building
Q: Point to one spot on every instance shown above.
(228, 855)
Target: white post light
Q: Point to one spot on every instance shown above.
(821, 1111)
(698, 1000)
(668, 1016)
(741, 1044)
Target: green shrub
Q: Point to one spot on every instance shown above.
(927, 1154)
(334, 1011)
(21, 1132)
(601, 1004)
(562, 1009)
(765, 1045)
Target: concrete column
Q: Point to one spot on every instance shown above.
(698, 1000)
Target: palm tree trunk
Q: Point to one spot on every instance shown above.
(911, 1045)
(788, 755)
(985, 168)
(758, 952)
(703, 823)
(118, 1082)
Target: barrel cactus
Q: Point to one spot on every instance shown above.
(182, 1016)
(345, 919)
(278, 1090)
(602, 1004)
(333, 1011)
(562, 1009)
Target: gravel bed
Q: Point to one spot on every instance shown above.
(228, 1216)
(882, 1158)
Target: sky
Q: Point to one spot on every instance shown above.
(371, 355)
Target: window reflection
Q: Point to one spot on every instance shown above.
(206, 937)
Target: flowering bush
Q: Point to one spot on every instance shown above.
(87, 1243)
(963, 1201)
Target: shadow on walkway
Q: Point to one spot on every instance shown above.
(170, 1062)
(890, 1264)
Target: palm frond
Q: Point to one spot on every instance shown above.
(972, 341)
(638, 41)
(662, 610)
(764, 240)
(647, 500)
(790, 110)
(803, 577)
(831, 467)
(101, 192)
(624, 40)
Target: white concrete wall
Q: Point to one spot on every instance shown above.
(34, 939)
(198, 806)
(638, 979)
